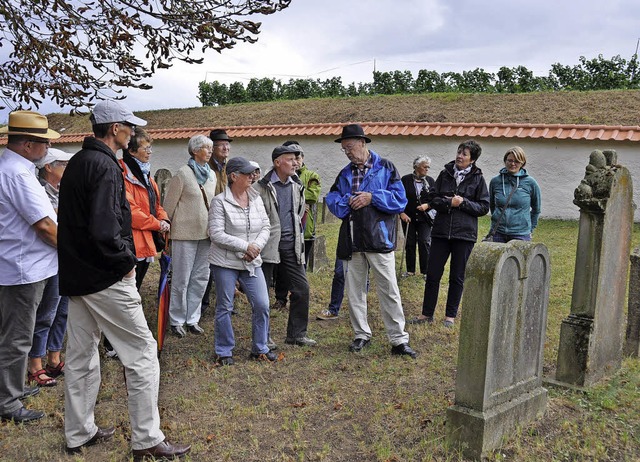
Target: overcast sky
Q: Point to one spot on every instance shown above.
(347, 38)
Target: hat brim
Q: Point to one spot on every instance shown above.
(366, 139)
(137, 121)
(50, 135)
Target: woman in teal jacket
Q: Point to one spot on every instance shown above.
(521, 215)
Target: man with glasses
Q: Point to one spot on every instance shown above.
(368, 195)
(97, 271)
(28, 257)
(217, 162)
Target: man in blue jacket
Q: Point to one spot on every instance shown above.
(368, 195)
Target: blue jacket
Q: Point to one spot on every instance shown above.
(372, 228)
(521, 216)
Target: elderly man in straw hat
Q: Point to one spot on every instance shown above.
(27, 254)
(368, 195)
(97, 272)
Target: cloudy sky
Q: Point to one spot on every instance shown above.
(349, 38)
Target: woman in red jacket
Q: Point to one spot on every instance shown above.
(149, 221)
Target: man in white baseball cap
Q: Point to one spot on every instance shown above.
(97, 271)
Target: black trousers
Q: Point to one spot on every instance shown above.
(295, 277)
(417, 233)
(441, 249)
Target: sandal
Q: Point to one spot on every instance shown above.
(42, 382)
(55, 371)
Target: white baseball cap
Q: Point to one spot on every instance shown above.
(53, 154)
(110, 111)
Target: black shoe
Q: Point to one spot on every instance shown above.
(403, 349)
(269, 356)
(103, 434)
(22, 415)
(28, 392)
(224, 361)
(195, 329)
(301, 341)
(358, 344)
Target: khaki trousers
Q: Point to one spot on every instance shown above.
(116, 311)
(383, 267)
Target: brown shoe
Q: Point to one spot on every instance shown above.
(103, 434)
(164, 449)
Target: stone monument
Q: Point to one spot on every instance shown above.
(591, 336)
(499, 377)
(632, 340)
(162, 178)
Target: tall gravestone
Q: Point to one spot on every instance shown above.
(499, 372)
(162, 178)
(632, 340)
(591, 336)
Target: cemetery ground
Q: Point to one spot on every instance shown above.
(327, 404)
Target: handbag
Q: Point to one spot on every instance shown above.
(492, 232)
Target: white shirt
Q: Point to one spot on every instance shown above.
(24, 257)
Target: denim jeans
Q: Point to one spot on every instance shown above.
(255, 288)
(51, 321)
(337, 287)
(441, 249)
(499, 237)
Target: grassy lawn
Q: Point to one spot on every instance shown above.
(327, 404)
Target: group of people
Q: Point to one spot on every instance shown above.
(76, 247)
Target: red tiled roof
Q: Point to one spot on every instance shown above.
(532, 131)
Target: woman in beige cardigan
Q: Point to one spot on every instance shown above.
(187, 202)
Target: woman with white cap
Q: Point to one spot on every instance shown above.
(51, 317)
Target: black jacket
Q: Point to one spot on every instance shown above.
(95, 242)
(413, 201)
(458, 222)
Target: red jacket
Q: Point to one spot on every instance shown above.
(142, 222)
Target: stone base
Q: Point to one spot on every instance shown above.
(573, 352)
(481, 432)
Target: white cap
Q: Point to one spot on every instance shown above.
(53, 154)
(110, 111)
(255, 164)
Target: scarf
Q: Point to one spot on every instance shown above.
(460, 174)
(201, 172)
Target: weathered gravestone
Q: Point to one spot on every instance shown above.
(499, 376)
(318, 258)
(591, 336)
(632, 341)
(162, 178)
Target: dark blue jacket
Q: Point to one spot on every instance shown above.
(372, 228)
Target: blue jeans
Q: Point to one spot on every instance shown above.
(256, 291)
(337, 287)
(51, 321)
(499, 237)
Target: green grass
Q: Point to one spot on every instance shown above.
(326, 404)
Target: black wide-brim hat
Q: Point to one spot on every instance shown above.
(219, 135)
(352, 131)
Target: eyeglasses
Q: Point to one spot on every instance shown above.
(131, 126)
(348, 148)
(513, 162)
(147, 149)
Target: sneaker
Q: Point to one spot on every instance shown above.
(178, 331)
(448, 323)
(224, 361)
(326, 315)
(406, 274)
(269, 356)
(195, 329)
(301, 341)
(110, 352)
(271, 344)
(279, 305)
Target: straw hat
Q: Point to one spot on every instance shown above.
(29, 123)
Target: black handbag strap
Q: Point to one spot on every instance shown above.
(504, 209)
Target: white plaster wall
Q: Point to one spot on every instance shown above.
(557, 165)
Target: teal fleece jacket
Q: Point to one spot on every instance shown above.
(521, 216)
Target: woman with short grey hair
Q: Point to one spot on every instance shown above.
(417, 217)
(187, 202)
